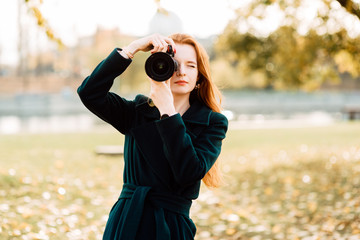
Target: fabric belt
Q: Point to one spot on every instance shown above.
(137, 196)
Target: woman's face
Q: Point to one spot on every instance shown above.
(184, 79)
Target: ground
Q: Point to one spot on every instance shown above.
(283, 183)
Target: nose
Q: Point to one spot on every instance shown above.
(180, 70)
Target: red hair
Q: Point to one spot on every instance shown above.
(207, 92)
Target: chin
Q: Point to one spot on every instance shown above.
(181, 92)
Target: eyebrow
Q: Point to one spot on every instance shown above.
(193, 62)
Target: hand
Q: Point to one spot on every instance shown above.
(161, 95)
(155, 43)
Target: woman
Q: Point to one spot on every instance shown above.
(172, 139)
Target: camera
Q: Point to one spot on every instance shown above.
(161, 66)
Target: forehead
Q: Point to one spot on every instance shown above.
(185, 52)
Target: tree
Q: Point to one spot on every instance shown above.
(351, 7)
(33, 6)
(289, 57)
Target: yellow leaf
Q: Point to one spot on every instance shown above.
(347, 210)
(312, 206)
(230, 231)
(59, 164)
(276, 229)
(288, 180)
(268, 191)
(24, 225)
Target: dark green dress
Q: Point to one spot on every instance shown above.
(165, 160)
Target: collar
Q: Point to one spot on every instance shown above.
(198, 113)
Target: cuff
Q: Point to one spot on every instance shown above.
(170, 124)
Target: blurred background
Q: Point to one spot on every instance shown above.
(274, 60)
(289, 71)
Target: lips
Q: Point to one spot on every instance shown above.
(181, 82)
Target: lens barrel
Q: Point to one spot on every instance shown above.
(160, 66)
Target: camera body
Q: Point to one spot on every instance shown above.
(161, 66)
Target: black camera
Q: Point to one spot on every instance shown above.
(161, 66)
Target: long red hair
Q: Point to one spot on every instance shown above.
(207, 92)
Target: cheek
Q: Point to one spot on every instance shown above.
(194, 75)
(193, 84)
(172, 77)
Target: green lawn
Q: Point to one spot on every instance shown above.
(300, 183)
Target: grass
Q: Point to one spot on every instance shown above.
(341, 134)
(300, 183)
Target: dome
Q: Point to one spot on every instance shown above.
(165, 23)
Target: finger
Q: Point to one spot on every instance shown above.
(161, 43)
(167, 82)
(156, 44)
(164, 45)
(152, 82)
(167, 86)
(155, 84)
(172, 43)
(152, 89)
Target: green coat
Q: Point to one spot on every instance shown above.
(165, 160)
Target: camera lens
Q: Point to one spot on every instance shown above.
(160, 66)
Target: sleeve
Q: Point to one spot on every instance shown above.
(190, 161)
(95, 95)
